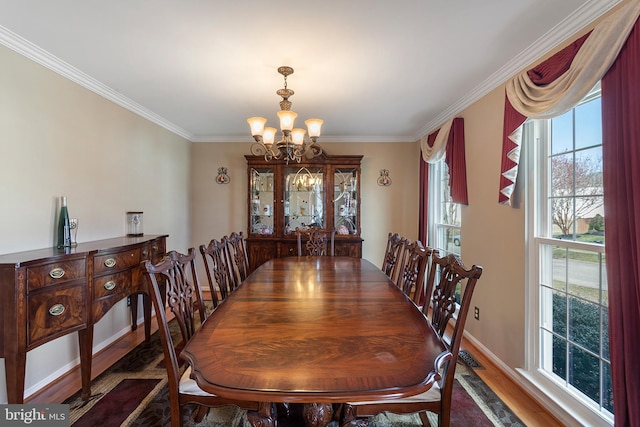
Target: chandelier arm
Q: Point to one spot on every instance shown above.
(258, 149)
(314, 149)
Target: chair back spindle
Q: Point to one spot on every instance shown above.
(217, 268)
(412, 277)
(238, 256)
(315, 241)
(392, 254)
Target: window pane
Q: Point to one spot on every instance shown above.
(562, 133)
(584, 324)
(588, 124)
(559, 267)
(588, 165)
(560, 357)
(562, 175)
(584, 371)
(560, 313)
(584, 274)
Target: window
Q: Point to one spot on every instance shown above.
(444, 226)
(568, 298)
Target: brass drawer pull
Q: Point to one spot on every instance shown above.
(56, 273)
(56, 310)
(110, 262)
(110, 285)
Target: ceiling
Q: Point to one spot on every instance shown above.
(374, 70)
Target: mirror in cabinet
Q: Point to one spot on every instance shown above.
(262, 201)
(303, 198)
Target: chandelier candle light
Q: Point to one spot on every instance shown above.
(292, 145)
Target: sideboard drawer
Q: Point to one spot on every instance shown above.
(56, 311)
(111, 284)
(55, 273)
(116, 261)
(157, 250)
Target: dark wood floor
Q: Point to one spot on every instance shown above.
(525, 407)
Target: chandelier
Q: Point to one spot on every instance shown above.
(291, 145)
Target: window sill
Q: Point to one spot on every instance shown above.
(567, 407)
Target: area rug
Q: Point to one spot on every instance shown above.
(133, 392)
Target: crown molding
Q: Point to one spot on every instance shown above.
(582, 17)
(569, 26)
(323, 139)
(26, 48)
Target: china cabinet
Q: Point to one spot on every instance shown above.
(323, 191)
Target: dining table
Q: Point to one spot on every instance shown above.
(314, 332)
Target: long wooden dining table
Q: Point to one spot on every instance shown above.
(315, 331)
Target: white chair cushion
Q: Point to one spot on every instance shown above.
(432, 395)
(189, 386)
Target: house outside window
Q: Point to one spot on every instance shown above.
(568, 321)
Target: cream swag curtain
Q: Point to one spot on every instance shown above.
(588, 67)
(438, 151)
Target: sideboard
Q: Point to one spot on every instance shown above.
(49, 293)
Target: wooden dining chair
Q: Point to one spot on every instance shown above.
(412, 275)
(315, 241)
(391, 254)
(184, 299)
(404, 245)
(237, 256)
(216, 265)
(445, 275)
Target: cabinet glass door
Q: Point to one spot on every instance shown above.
(303, 198)
(345, 200)
(262, 210)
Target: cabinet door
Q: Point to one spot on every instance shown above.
(304, 198)
(346, 214)
(261, 208)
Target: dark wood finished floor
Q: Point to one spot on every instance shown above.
(529, 411)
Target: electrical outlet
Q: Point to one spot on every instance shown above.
(476, 313)
(129, 301)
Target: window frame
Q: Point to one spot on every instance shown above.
(536, 162)
(438, 186)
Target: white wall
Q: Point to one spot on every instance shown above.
(57, 138)
(493, 236)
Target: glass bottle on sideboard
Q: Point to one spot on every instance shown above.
(64, 226)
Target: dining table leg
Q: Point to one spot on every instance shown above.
(264, 417)
(317, 414)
